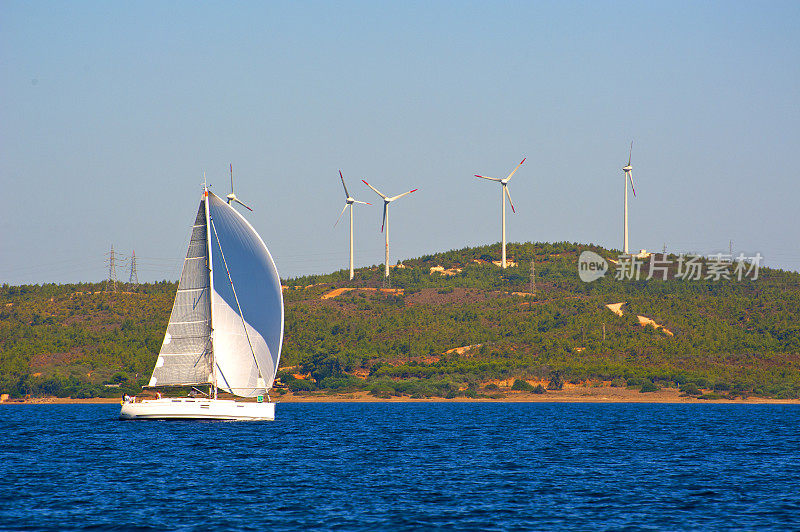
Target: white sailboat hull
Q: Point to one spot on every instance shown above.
(189, 408)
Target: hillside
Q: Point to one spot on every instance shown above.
(467, 328)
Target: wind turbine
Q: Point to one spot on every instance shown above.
(628, 177)
(503, 195)
(385, 224)
(232, 197)
(349, 203)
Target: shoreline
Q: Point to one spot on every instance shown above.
(570, 394)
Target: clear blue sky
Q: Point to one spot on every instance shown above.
(110, 112)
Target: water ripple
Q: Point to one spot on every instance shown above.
(438, 466)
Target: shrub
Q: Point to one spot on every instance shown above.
(522, 386)
(538, 389)
(691, 388)
(618, 382)
(710, 396)
(648, 386)
(300, 385)
(491, 387)
(787, 394)
(343, 384)
(556, 382)
(383, 391)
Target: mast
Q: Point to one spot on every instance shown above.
(210, 287)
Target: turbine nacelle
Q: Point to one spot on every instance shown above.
(349, 200)
(386, 201)
(232, 197)
(504, 182)
(628, 169)
(389, 200)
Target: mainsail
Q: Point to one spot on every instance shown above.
(246, 303)
(185, 356)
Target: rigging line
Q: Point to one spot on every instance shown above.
(241, 314)
(197, 301)
(201, 356)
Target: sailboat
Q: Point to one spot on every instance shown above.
(226, 325)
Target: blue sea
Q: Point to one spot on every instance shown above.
(405, 466)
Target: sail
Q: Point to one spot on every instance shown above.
(247, 304)
(185, 356)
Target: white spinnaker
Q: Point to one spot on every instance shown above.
(247, 304)
(185, 355)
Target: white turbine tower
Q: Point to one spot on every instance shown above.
(232, 197)
(503, 195)
(385, 225)
(628, 169)
(348, 202)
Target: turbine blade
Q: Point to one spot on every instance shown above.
(231, 179)
(362, 202)
(508, 194)
(489, 178)
(340, 215)
(237, 200)
(378, 192)
(630, 153)
(346, 193)
(630, 176)
(385, 210)
(515, 169)
(401, 195)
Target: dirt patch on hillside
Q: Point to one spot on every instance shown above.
(44, 360)
(339, 291)
(644, 321)
(438, 296)
(462, 350)
(616, 308)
